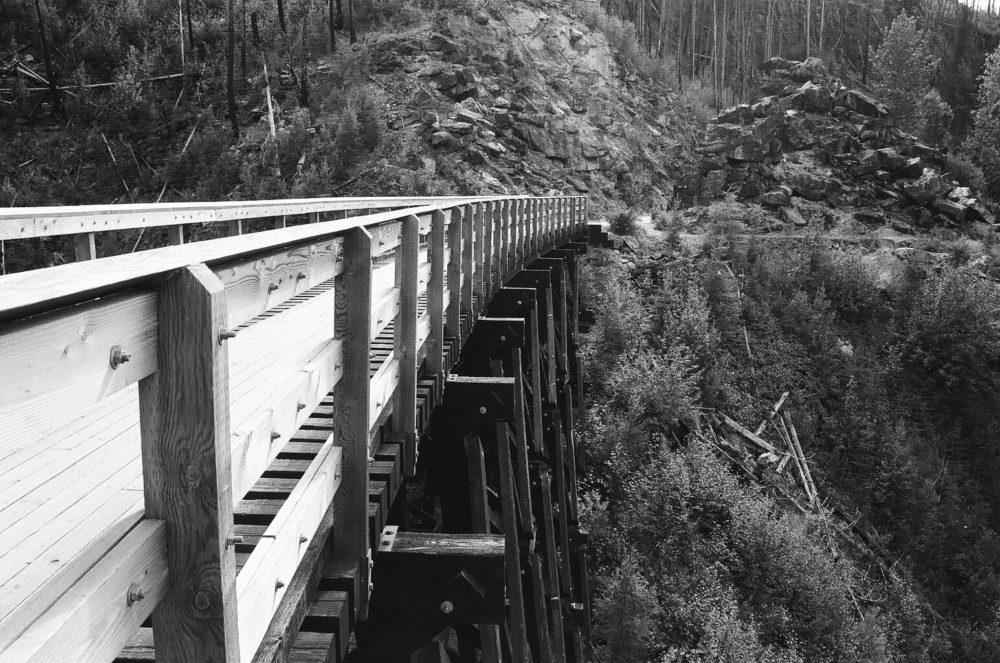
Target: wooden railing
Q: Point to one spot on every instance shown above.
(85, 222)
(142, 396)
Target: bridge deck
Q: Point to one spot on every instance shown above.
(76, 433)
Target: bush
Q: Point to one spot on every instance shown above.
(624, 223)
(965, 170)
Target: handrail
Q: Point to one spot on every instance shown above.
(25, 222)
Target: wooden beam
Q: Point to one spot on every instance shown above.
(455, 235)
(352, 326)
(407, 266)
(175, 235)
(479, 283)
(468, 260)
(435, 297)
(57, 366)
(486, 255)
(96, 616)
(235, 227)
(84, 247)
(184, 419)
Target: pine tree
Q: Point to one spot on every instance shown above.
(902, 68)
(984, 143)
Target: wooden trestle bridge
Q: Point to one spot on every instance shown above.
(344, 440)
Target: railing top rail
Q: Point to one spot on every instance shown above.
(29, 293)
(25, 222)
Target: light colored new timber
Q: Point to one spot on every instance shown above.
(453, 324)
(406, 340)
(351, 400)
(57, 367)
(93, 620)
(184, 414)
(262, 582)
(24, 222)
(435, 296)
(84, 246)
(468, 258)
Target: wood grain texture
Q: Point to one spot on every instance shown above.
(435, 295)
(486, 258)
(406, 341)
(468, 258)
(57, 367)
(84, 247)
(184, 415)
(93, 620)
(479, 232)
(453, 322)
(351, 403)
(256, 285)
(262, 582)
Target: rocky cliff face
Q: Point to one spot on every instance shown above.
(821, 154)
(535, 101)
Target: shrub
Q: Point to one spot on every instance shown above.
(935, 118)
(965, 170)
(624, 223)
(902, 68)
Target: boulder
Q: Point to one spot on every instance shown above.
(441, 139)
(458, 128)
(766, 107)
(741, 114)
(778, 63)
(810, 97)
(810, 185)
(575, 36)
(867, 163)
(861, 103)
(795, 217)
(475, 156)
(808, 70)
(870, 216)
(927, 188)
(778, 197)
(910, 170)
(951, 209)
(891, 160)
(471, 117)
(926, 153)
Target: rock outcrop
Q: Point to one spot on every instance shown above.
(813, 139)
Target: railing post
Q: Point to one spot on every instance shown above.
(184, 423)
(468, 261)
(487, 265)
(453, 323)
(407, 267)
(496, 250)
(351, 398)
(175, 235)
(479, 275)
(84, 247)
(534, 226)
(435, 297)
(235, 227)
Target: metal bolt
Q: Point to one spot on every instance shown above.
(275, 435)
(482, 410)
(233, 540)
(118, 356)
(502, 338)
(135, 594)
(272, 287)
(447, 607)
(303, 539)
(300, 406)
(386, 542)
(300, 276)
(226, 334)
(278, 585)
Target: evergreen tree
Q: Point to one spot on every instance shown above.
(984, 142)
(902, 68)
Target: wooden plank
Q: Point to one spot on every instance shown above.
(57, 367)
(27, 293)
(270, 569)
(383, 386)
(24, 222)
(290, 402)
(487, 257)
(384, 310)
(84, 247)
(351, 417)
(94, 618)
(175, 235)
(406, 342)
(468, 259)
(479, 231)
(479, 507)
(497, 264)
(256, 285)
(453, 324)
(517, 624)
(184, 414)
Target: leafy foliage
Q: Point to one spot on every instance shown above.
(902, 68)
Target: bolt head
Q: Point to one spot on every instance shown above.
(482, 410)
(447, 607)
